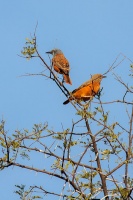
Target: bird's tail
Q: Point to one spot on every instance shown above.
(67, 79)
(66, 102)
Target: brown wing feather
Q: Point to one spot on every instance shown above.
(95, 78)
(60, 62)
(87, 83)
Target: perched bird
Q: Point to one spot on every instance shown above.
(87, 90)
(60, 64)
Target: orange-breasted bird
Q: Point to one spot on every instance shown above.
(60, 64)
(87, 90)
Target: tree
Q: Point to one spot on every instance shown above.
(94, 156)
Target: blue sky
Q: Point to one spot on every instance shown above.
(90, 33)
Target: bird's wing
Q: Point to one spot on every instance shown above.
(83, 85)
(62, 63)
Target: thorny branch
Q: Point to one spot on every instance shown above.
(105, 138)
(103, 180)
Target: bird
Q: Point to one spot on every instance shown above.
(60, 64)
(87, 90)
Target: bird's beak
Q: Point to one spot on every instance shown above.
(104, 76)
(50, 52)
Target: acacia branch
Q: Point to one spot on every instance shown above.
(115, 101)
(113, 66)
(47, 192)
(58, 157)
(77, 189)
(129, 152)
(7, 145)
(103, 179)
